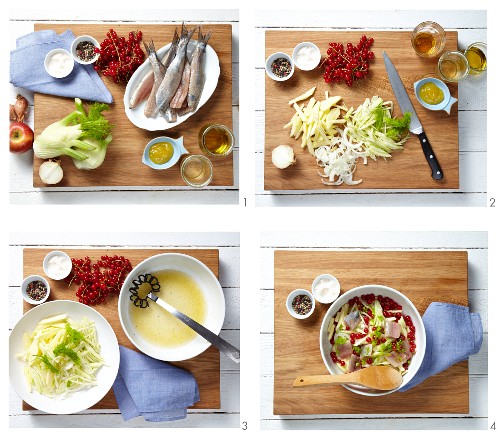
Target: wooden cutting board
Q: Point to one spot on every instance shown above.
(407, 169)
(423, 277)
(205, 367)
(123, 164)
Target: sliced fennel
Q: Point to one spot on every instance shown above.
(61, 356)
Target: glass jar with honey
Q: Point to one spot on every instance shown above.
(216, 140)
(428, 39)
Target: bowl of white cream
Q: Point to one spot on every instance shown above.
(59, 63)
(326, 288)
(57, 265)
(306, 56)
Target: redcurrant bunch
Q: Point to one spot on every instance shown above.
(99, 280)
(119, 58)
(350, 64)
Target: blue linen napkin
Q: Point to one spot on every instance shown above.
(452, 335)
(153, 389)
(27, 69)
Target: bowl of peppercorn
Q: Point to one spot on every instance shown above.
(35, 289)
(300, 303)
(279, 66)
(83, 49)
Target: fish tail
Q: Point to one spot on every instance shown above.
(206, 37)
(175, 39)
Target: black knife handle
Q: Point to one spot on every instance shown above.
(437, 173)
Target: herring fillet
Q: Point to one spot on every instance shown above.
(158, 72)
(173, 75)
(197, 79)
(143, 90)
(182, 91)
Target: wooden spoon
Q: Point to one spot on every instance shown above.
(378, 378)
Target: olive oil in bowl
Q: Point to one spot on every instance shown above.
(216, 140)
(476, 56)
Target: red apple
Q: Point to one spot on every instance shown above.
(21, 137)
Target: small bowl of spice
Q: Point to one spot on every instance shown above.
(306, 56)
(83, 49)
(279, 66)
(326, 288)
(300, 303)
(35, 289)
(57, 265)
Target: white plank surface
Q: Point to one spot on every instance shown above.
(229, 265)
(476, 244)
(21, 189)
(471, 27)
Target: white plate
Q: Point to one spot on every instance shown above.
(136, 115)
(80, 400)
(210, 288)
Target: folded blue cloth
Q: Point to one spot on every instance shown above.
(153, 389)
(27, 69)
(452, 335)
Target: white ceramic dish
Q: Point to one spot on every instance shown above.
(77, 41)
(211, 68)
(289, 302)
(335, 288)
(408, 309)
(79, 400)
(269, 62)
(179, 150)
(317, 56)
(70, 64)
(24, 286)
(46, 267)
(212, 293)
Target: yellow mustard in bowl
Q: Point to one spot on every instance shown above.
(161, 152)
(431, 94)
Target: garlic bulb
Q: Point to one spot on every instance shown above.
(51, 172)
(283, 156)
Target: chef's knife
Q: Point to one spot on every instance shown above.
(415, 125)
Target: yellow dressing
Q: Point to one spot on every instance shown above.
(159, 327)
(431, 93)
(161, 152)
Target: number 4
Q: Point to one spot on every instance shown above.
(493, 426)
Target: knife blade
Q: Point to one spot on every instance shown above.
(415, 125)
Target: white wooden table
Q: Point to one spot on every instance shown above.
(229, 263)
(471, 27)
(476, 243)
(21, 166)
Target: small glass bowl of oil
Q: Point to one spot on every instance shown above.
(453, 66)
(216, 140)
(197, 170)
(428, 39)
(476, 56)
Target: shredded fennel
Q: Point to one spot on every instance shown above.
(61, 356)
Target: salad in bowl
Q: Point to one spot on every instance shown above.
(372, 325)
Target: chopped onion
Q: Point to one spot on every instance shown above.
(283, 156)
(51, 172)
(339, 161)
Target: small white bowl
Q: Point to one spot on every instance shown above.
(69, 65)
(333, 294)
(269, 62)
(317, 56)
(77, 41)
(290, 299)
(24, 286)
(64, 256)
